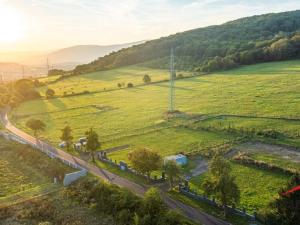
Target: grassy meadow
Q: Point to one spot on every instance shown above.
(263, 96)
(132, 110)
(105, 80)
(257, 187)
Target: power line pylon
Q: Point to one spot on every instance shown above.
(172, 83)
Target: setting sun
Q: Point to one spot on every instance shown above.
(11, 25)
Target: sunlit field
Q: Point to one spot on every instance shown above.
(119, 113)
(105, 80)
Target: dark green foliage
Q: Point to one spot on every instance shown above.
(16, 92)
(145, 161)
(36, 125)
(125, 207)
(220, 184)
(24, 90)
(285, 210)
(55, 72)
(50, 93)
(130, 85)
(147, 79)
(245, 41)
(66, 136)
(92, 143)
(172, 170)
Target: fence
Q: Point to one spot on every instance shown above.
(43, 147)
(192, 194)
(130, 170)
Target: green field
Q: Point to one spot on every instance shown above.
(170, 141)
(252, 97)
(128, 111)
(25, 172)
(105, 80)
(258, 187)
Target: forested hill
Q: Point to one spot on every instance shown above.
(248, 40)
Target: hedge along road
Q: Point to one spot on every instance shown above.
(190, 212)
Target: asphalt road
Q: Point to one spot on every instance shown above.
(190, 212)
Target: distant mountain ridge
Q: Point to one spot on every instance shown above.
(262, 38)
(85, 53)
(15, 65)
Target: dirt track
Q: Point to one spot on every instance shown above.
(289, 153)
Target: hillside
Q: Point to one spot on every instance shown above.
(35, 64)
(84, 53)
(269, 37)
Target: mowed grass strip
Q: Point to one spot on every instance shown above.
(272, 95)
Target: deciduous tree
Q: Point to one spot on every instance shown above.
(172, 170)
(66, 136)
(145, 161)
(50, 93)
(92, 142)
(220, 183)
(146, 79)
(36, 125)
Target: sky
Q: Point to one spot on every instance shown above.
(42, 25)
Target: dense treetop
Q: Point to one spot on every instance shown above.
(248, 40)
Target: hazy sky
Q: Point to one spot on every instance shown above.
(50, 24)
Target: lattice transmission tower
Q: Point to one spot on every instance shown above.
(172, 82)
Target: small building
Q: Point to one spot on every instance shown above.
(62, 144)
(123, 165)
(179, 159)
(82, 140)
(77, 146)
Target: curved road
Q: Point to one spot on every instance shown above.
(190, 212)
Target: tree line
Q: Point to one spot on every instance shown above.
(249, 40)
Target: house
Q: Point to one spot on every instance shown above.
(179, 159)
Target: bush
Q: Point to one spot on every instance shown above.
(130, 85)
(180, 76)
(244, 159)
(123, 205)
(270, 133)
(50, 93)
(146, 79)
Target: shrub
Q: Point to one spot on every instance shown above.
(50, 93)
(146, 79)
(130, 85)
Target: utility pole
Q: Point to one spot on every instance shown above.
(172, 82)
(47, 66)
(23, 72)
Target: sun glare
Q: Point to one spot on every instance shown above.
(11, 25)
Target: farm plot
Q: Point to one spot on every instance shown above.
(169, 141)
(257, 187)
(24, 171)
